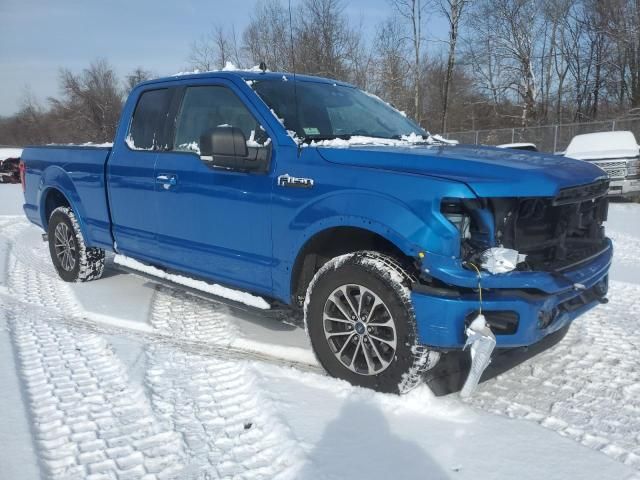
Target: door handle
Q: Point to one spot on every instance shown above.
(167, 181)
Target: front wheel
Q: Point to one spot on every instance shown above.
(361, 323)
(73, 261)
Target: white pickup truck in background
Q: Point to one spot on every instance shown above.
(617, 153)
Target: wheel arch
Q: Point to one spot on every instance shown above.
(337, 240)
(53, 197)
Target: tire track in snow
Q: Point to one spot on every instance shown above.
(230, 427)
(626, 248)
(221, 423)
(89, 420)
(586, 387)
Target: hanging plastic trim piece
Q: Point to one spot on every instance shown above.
(482, 342)
(500, 260)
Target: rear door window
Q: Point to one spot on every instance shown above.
(147, 131)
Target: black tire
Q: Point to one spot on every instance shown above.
(375, 275)
(82, 264)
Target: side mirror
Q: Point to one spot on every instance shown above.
(227, 147)
(223, 142)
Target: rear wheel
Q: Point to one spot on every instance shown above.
(73, 261)
(362, 325)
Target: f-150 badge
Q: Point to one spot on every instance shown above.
(287, 180)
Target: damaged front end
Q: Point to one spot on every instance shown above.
(526, 237)
(531, 233)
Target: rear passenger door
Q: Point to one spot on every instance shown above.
(131, 175)
(214, 220)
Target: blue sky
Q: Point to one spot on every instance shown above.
(38, 37)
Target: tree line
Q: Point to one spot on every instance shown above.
(500, 63)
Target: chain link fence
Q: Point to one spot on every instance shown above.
(548, 138)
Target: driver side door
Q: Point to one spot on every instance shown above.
(214, 221)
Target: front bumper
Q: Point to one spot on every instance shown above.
(541, 303)
(624, 187)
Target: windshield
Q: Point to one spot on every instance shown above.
(327, 111)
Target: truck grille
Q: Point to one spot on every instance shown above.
(615, 169)
(555, 233)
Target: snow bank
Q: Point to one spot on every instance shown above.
(6, 153)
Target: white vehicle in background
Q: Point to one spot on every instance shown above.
(617, 153)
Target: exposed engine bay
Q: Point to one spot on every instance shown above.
(547, 234)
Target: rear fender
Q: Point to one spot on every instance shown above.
(55, 178)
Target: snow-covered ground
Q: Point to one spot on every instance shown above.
(123, 379)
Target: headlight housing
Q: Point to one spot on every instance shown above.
(473, 221)
(633, 167)
(454, 210)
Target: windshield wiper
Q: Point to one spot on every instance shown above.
(320, 138)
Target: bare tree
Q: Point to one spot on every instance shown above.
(393, 64)
(624, 30)
(215, 50)
(413, 12)
(324, 35)
(137, 76)
(91, 101)
(453, 11)
(267, 37)
(513, 28)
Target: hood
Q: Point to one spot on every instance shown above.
(603, 145)
(489, 171)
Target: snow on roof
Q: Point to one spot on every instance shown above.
(6, 153)
(228, 67)
(516, 145)
(253, 73)
(594, 146)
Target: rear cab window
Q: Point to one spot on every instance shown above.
(147, 129)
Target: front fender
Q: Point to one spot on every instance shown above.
(410, 228)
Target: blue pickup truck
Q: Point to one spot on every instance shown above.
(316, 195)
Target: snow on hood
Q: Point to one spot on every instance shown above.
(488, 171)
(598, 146)
(360, 140)
(6, 153)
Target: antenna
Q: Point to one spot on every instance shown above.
(293, 67)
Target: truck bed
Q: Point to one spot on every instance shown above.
(79, 171)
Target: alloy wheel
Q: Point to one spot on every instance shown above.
(65, 246)
(359, 329)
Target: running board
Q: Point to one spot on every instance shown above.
(277, 311)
